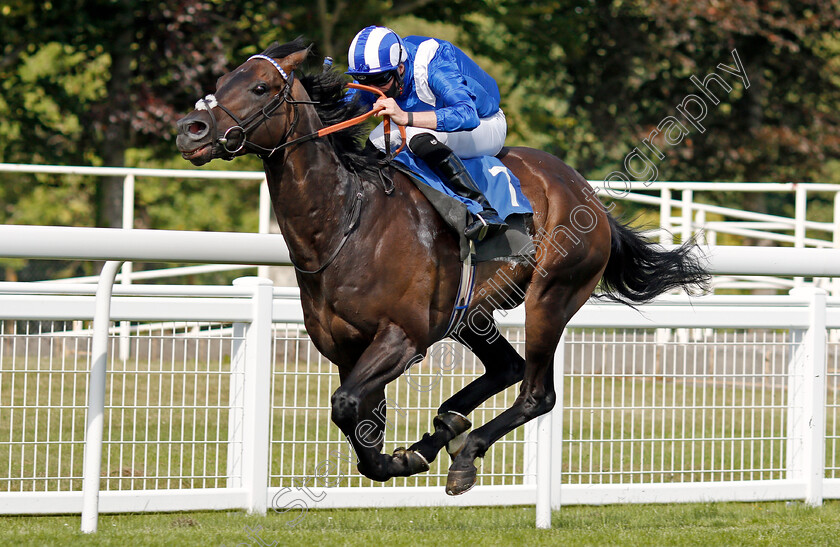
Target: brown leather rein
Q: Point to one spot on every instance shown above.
(353, 121)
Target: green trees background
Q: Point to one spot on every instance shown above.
(101, 82)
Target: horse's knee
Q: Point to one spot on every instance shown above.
(345, 409)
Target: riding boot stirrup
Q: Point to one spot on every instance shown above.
(485, 224)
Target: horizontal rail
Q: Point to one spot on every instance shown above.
(727, 211)
(620, 186)
(192, 499)
(230, 304)
(125, 171)
(61, 288)
(53, 242)
(784, 238)
(773, 261)
(72, 243)
(705, 492)
(158, 274)
(259, 175)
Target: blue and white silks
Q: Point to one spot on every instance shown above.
(441, 77)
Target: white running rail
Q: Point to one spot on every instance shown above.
(681, 211)
(252, 307)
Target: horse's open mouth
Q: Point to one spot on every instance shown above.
(193, 153)
(200, 155)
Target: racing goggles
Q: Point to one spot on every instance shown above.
(379, 79)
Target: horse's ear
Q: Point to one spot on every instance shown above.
(274, 45)
(291, 62)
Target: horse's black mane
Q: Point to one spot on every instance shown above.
(327, 87)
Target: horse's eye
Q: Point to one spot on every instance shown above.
(260, 89)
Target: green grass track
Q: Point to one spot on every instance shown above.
(776, 523)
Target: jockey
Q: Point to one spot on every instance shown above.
(448, 103)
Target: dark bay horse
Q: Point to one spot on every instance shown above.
(378, 271)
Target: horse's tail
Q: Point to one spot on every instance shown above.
(639, 270)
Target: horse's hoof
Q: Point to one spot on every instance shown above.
(414, 461)
(460, 481)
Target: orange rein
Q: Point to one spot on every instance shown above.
(359, 119)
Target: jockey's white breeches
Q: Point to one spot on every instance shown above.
(485, 140)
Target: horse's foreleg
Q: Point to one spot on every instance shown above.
(359, 406)
(503, 367)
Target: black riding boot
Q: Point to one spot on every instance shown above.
(440, 157)
(487, 223)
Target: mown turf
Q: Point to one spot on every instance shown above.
(777, 523)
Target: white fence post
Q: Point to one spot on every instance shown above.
(686, 227)
(683, 335)
(265, 221)
(92, 470)
(544, 470)
(806, 399)
(700, 233)
(800, 214)
(557, 423)
(665, 226)
(128, 268)
(530, 470)
(236, 402)
(254, 361)
(546, 454)
(835, 282)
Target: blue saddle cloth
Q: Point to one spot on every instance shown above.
(498, 184)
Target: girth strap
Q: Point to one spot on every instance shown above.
(465, 291)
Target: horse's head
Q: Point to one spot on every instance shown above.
(246, 114)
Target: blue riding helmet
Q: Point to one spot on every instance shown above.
(375, 50)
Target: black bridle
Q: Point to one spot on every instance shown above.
(236, 137)
(238, 134)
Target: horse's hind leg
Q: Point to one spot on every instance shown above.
(536, 397)
(547, 310)
(503, 367)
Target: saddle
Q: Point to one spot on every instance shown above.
(501, 188)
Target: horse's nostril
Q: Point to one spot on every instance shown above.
(192, 127)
